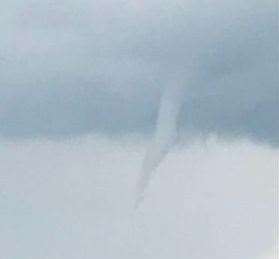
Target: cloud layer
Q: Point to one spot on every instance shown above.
(71, 68)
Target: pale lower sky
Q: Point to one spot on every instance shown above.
(74, 199)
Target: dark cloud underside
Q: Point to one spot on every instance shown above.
(69, 69)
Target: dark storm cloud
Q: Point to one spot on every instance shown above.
(71, 68)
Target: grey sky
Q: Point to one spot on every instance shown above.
(78, 67)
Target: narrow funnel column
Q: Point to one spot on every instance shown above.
(164, 138)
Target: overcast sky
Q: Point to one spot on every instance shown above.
(75, 67)
(80, 88)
